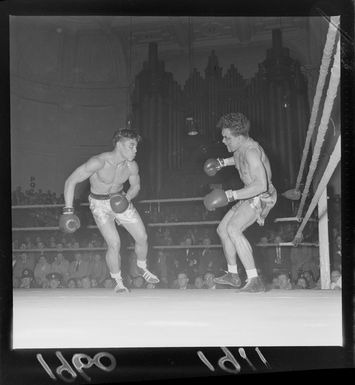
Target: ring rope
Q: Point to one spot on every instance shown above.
(327, 52)
(332, 164)
(167, 200)
(169, 247)
(162, 224)
(291, 219)
(327, 109)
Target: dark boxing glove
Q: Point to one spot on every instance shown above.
(212, 166)
(215, 199)
(68, 221)
(119, 203)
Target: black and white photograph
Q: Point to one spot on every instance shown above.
(176, 182)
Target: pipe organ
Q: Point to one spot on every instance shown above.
(275, 101)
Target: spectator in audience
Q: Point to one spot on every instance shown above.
(335, 280)
(79, 267)
(199, 284)
(183, 281)
(304, 258)
(265, 258)
(185, 255)
(208, 281)
(308, 276)
(29, 243)
(281, 261)
(54, 280)
(85, 282)
(24, 261)
(42, 269)
(94, 283)
(138, 282)
(52, 242)
(284, 281)
(164, 237)
(275, 283)
(71, 283)
(210, 259)
(161, 267)
(150, 285)
(61, 265)
(98, 268)
(26, 279)
(128, 280)
(336, 254)
(301, 283)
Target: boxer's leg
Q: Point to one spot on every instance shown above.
(232, 277)
(106, 224)
(134, 225)
(244, 217)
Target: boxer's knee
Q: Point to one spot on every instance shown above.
(234, 229)
(142, 238)
(222, 231)
(113, 245)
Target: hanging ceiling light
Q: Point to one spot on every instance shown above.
(191, 127)
(189, 121)
(129, 89)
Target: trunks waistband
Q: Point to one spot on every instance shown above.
(103, 197)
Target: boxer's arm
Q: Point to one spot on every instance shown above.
(80, 174)
(228, 161)
(258, 175)
(134, 181)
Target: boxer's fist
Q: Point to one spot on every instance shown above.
(212, 166)
(215, 199)
(119, 203)
(68, 221)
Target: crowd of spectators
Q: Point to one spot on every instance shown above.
(51, 259)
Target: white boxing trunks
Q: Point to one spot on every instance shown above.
(102, 211)
(262, 204)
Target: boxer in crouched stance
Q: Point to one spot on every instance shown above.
(107, 173)
(254, 201)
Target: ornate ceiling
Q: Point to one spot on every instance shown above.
(174, 32)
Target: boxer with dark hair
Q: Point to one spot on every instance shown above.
(254, 200)
(107, 173)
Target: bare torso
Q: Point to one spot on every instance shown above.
(111, 177)
(242, 165)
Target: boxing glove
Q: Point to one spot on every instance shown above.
(212, 166)
(119, 203)
(68, 221)
(215, 199)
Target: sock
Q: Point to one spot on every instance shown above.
(252, 273)
(142, 264)
(116, 276)
(233, 269)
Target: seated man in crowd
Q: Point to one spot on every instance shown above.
(42, 269)
(208, 281)
(284, 281)
(301, 283)
(54, 280)
(27, 279)
(335, 280)
(183, 281)
(61, 266)
(199, 283)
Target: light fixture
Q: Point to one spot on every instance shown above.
(190, 126)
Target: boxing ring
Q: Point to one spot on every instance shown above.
(99, 317)
(95, 318)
